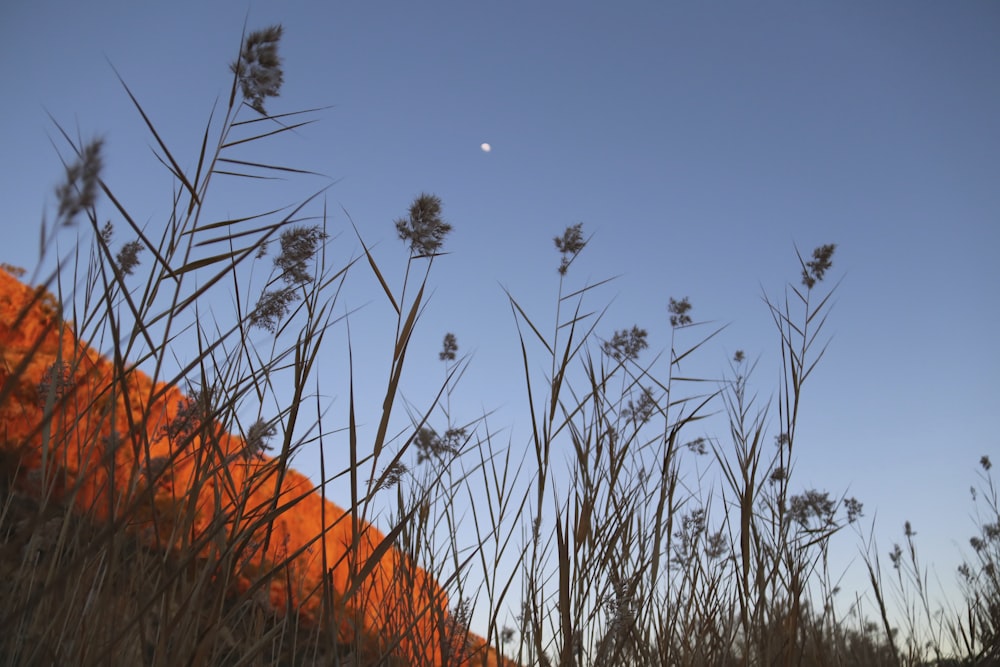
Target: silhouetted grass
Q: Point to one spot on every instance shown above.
(143, 524)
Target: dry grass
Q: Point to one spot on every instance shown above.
(143, 525)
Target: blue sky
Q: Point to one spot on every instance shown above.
(698, 142)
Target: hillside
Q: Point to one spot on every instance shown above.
(102, 468)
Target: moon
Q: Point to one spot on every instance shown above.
(485, 147)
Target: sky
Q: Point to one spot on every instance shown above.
(699, 143)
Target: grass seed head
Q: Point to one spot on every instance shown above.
(79, 191)
(570, 244)
(424, 228)
(679, 312)
(815, 269)
(259, 67)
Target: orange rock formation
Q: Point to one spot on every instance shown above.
(126, 449)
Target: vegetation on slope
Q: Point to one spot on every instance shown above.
(145, 519)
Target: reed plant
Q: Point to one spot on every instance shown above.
(150, 514)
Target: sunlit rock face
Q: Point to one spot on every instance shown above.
(123, 448)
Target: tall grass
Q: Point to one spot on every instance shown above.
(150, 514)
